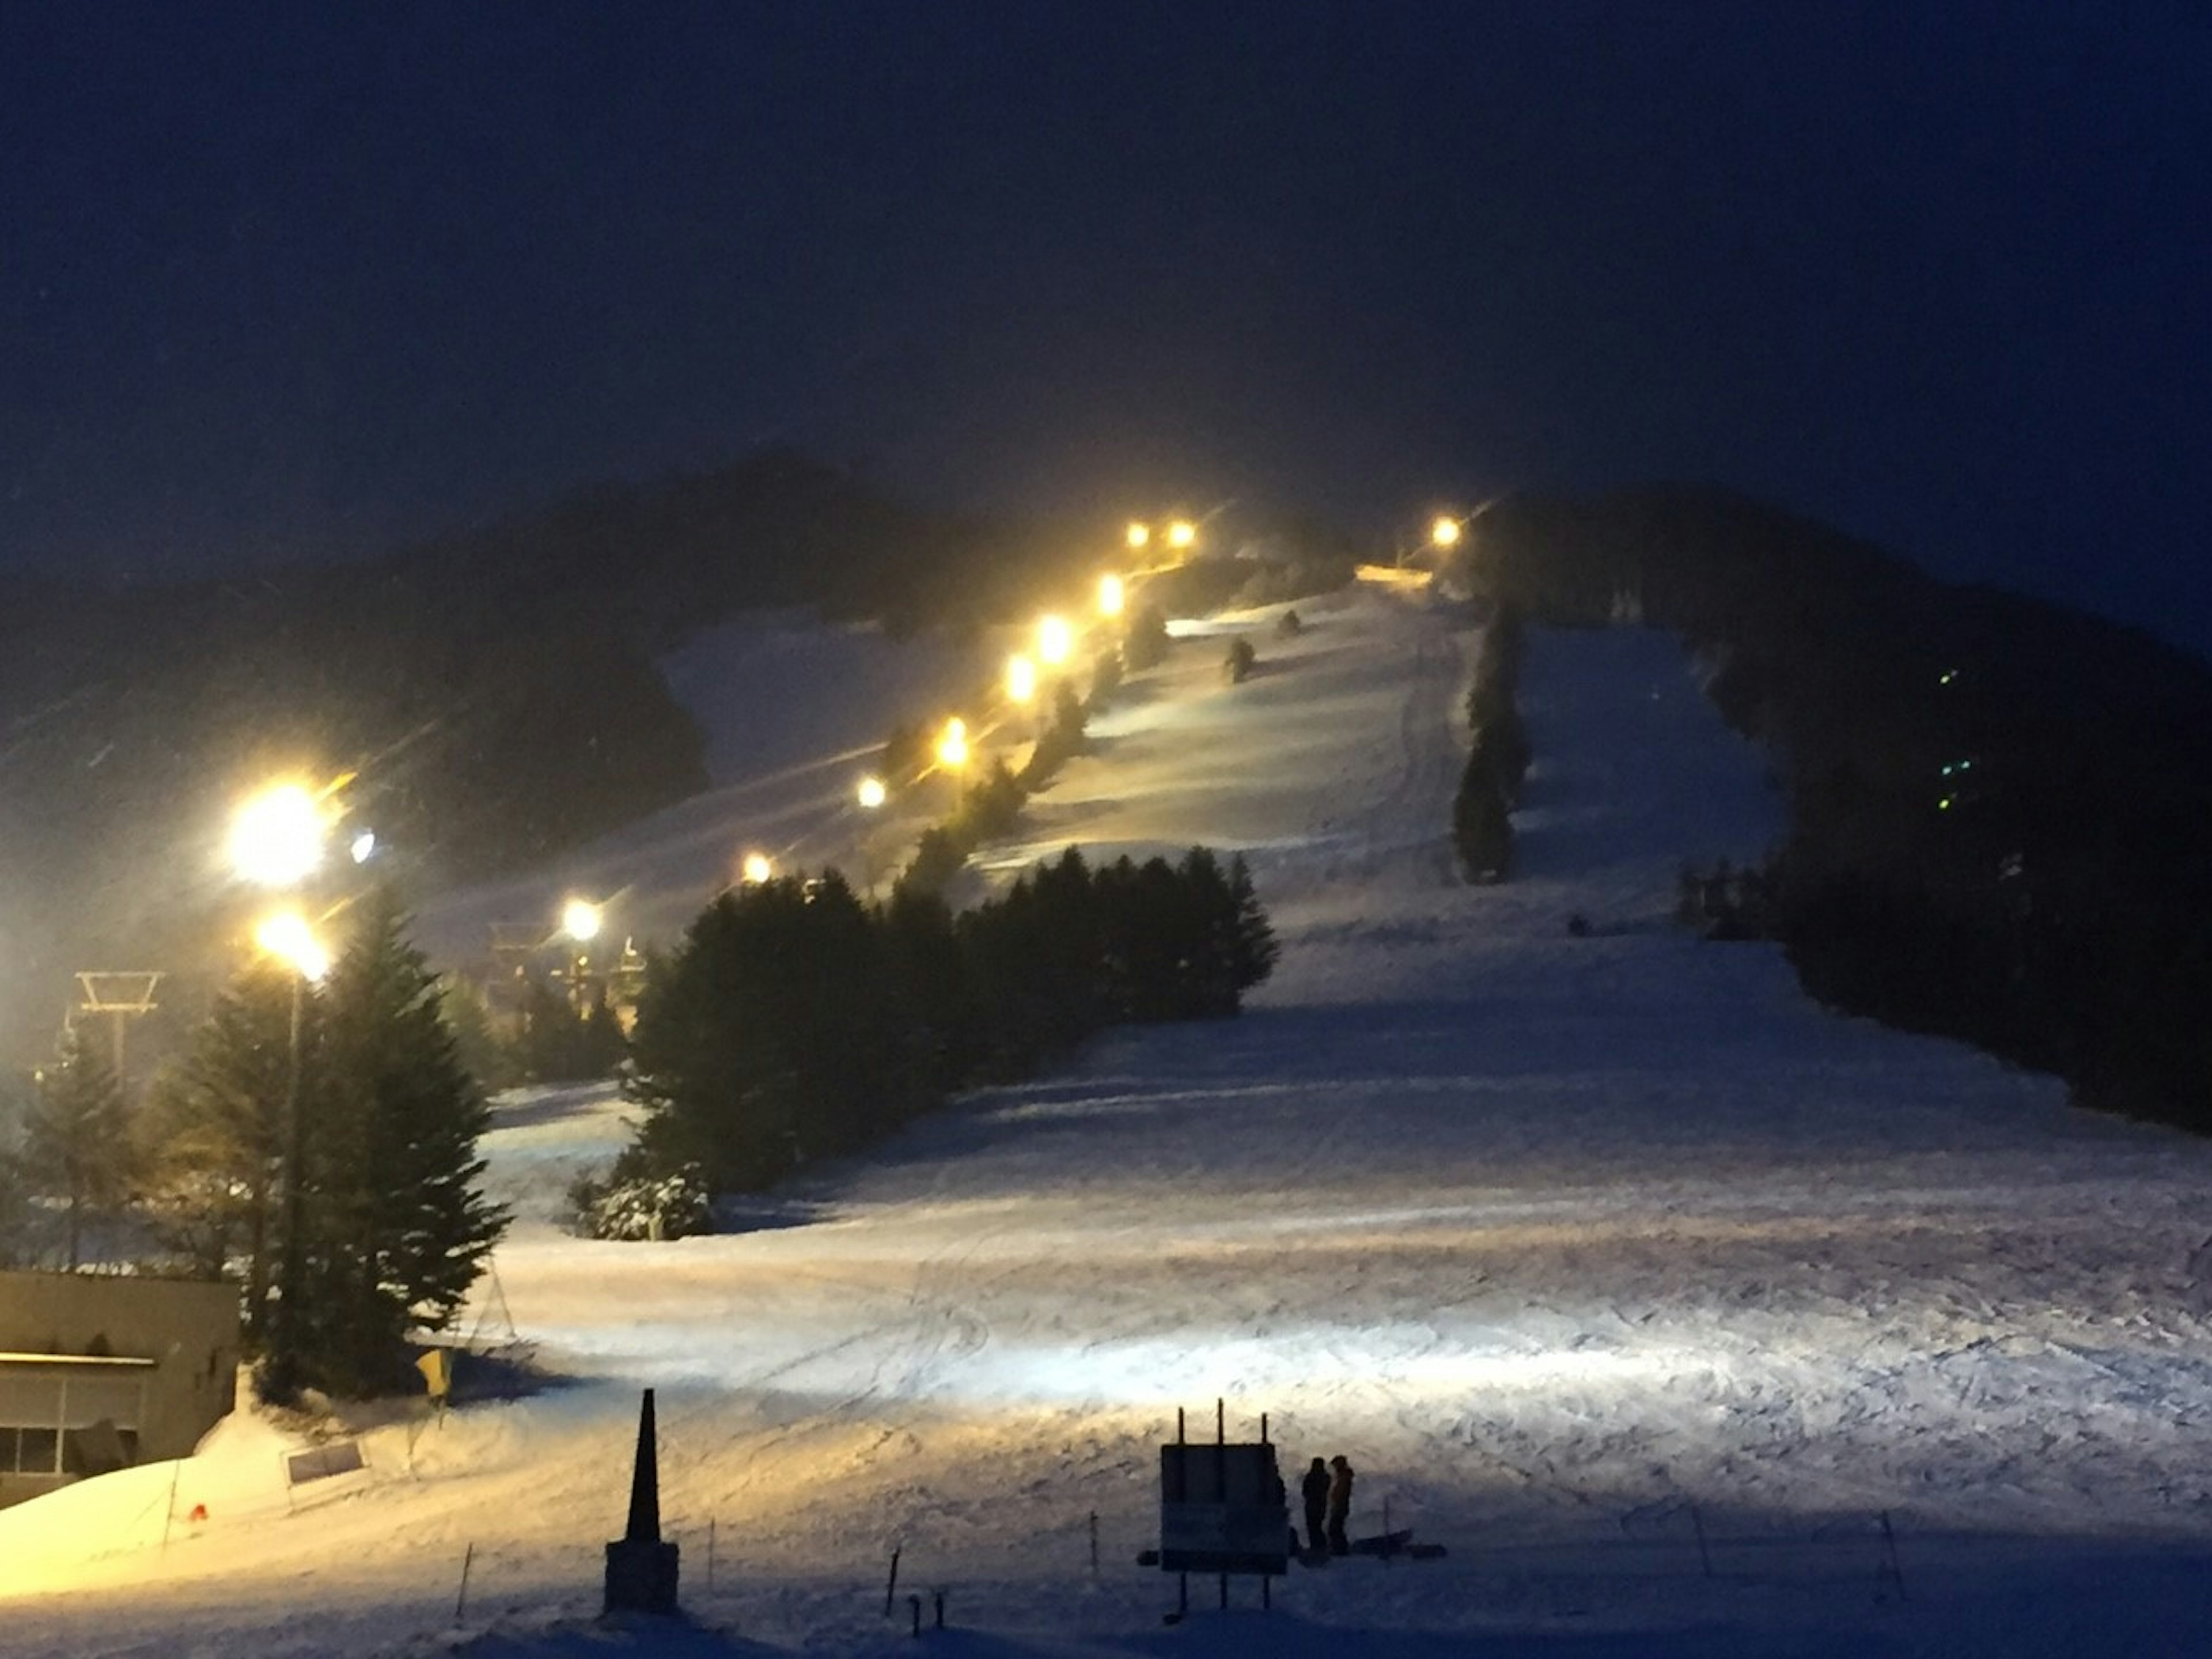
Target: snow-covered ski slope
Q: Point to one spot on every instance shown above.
(1578, 1246)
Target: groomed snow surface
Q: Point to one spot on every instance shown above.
(1577, 1246)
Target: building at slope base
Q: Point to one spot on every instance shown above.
(99, 1373)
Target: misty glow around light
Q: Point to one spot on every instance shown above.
(1055, 641)
(872, 793)
(1139, 534)
(287, 937)
(1110, 596)
(1021, 678)
(1182, 533)
(364, 847)
(757, 868)
(580, 920)
(1445, 531)
(276, 836)
(953, 746)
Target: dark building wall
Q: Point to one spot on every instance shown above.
(67, 1344)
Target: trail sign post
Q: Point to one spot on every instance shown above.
(1223, 1510)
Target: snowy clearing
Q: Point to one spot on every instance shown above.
(1577, 1247)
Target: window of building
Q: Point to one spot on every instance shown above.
(55, 1419)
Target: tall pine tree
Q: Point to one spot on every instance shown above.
(395, 1228)
(76, 1142)
(215, 1129)
(1253, 954)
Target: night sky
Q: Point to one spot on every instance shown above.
(296, 281)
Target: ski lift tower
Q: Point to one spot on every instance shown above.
(123, 997)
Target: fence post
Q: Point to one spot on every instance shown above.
(169, 1517)
(891, 1590)
(1704, 1556)
(1889, 1543)
(1094, 1543)
(710, 1552)
(461, 1606)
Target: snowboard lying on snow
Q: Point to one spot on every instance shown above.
(1384, 1544)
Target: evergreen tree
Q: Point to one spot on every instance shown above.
(486, 1055)
(215, 1132)
(1146, 643)
(76, 1143)
(934, 987)
(1105, 679)
(1482, 829)
(14, 1209)
(600, 1043)
(550, 1047)
(1253, 949)
(396, 1230)
(773, 1035)
(14, 1198)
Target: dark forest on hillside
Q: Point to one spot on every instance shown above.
(1998, 806)
(496, 691)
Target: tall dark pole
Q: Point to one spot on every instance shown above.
(290, 1291)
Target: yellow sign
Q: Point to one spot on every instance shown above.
(437, 1370)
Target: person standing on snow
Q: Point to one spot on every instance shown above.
(1340, 1505)
(1315, 1489)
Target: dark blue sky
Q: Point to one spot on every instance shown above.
(288, 281)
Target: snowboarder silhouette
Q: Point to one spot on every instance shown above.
(1340, 1505)
(1315, 1490)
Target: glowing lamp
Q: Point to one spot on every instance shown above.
(1111, 597)
(872, 793)
(580, 920)
(1055, 640)
(287, 937)
(276, 836)
(757, 868)
(952, 747)
(1446, 531)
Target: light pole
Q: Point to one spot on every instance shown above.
(581, 920)
(275, 840)
(952, 749)
(287, 937)
(872, 794)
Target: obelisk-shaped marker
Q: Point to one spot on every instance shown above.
(641, 1568)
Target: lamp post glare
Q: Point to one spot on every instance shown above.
(364, 847)
(581, 920)
(1445, 531)
(1182, 533)
(953, 746)
(1111, 596)
(276, 836)
(872, 793)
(1139, 534)
(1055, 641)
(757, 868)
(287, 937)
(1021, 678)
